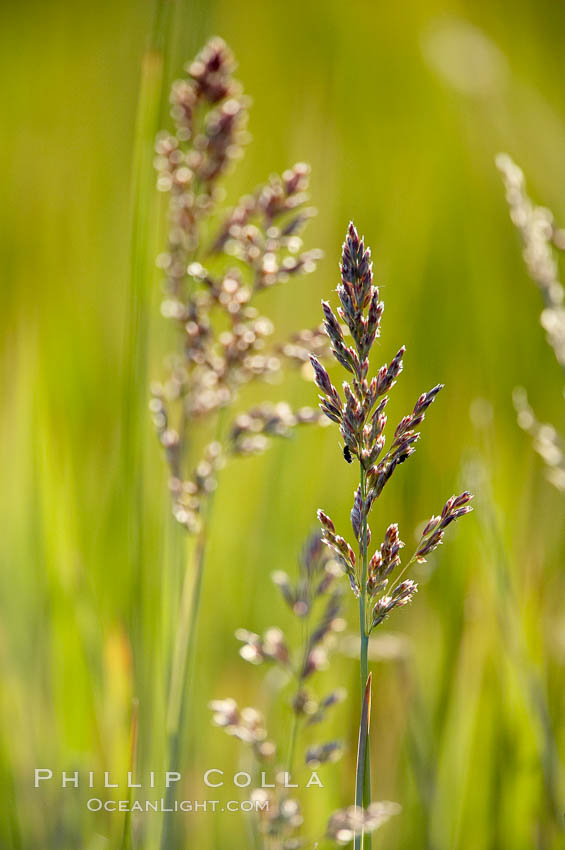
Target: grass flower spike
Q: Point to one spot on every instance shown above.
(359, 410)
(217, 263)
(213, 275)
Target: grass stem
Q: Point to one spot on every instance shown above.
(143, 228)
(134, 728)
(183, 662)
(363, 772)
(185, 648)
(292, 745)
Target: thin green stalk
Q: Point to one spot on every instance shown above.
(292, 745)
(363, 772)
(362, 749)
(142, 254)
(363, 595)
(296, 719)
(185, 648)
(134, 725)
(181, 676)
(142, 251)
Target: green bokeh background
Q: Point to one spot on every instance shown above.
(400, 111)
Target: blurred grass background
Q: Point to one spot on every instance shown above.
(400, 113)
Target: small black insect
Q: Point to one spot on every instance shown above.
(347, 454)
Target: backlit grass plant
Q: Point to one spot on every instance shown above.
(315, 601)
(376, 579)
(217, 262)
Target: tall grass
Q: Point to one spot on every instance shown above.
(362, 422)
(361, 102)
(221, 339)
(152, 92)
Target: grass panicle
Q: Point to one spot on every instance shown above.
(216, 264)
(223, 339)
(315, 600)
(360, 413)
